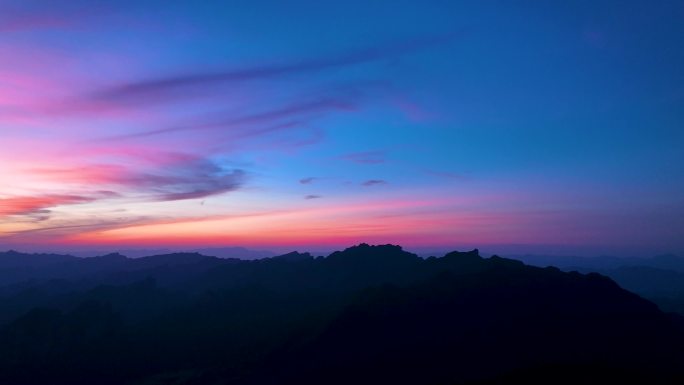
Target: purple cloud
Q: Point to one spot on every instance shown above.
(373, 182)
(72, 226)
(313, 197)
(20, 16)
(190, 178)
(172, 177)
(368, 157)
(308, 180)
(287, 117)
(203, 185)
(172, 86)
(37, 207)
(446, 175)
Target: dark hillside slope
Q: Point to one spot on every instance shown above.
(366, 315)
(479, 319)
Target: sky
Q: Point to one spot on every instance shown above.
(512, 126)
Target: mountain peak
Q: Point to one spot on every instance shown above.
(115, 255)
(295, 256)
(473, 254)
(366, 252)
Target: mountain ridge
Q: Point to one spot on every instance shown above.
(366, 313)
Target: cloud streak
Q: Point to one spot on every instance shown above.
(90, 129)
(373, 182)
(308, 180)
(368, 157)
(181, 177)
(38, 206)
(36, 15)
(170, 86)
(260, 123)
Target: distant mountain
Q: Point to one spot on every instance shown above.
(14, 259)
(367, 315)
(219, 252)
(664, 287)
(665, 261)
(17, 267)
(659, 279)
(295, 256)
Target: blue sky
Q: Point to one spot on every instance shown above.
(554, 125)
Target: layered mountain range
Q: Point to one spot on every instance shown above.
(367, 314)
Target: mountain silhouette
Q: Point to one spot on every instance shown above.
(659, 279)
(663, 261)
(367, 315)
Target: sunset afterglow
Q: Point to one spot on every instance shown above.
(201, 124)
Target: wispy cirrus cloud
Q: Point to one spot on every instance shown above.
(181, 176)
(43, 15)
(104, 142)
(259, 123)
(373, 182)
(446, 175)
(366, 157)
(32, 22)
(203, 185)
(177, 177)
(38, 208)
(65, 229)
(156, 89)
(19, 16)
(31, 205)
(308, 180)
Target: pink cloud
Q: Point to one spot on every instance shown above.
(175, 177)
(373, 182)
(27, 205)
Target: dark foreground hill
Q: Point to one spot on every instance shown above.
(659, 279)
(366, 315)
